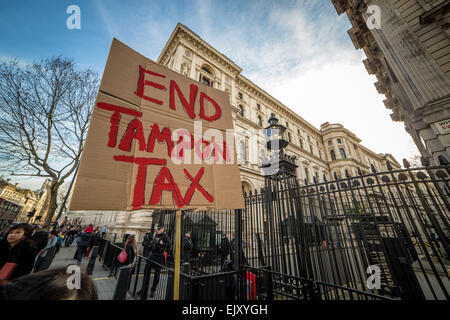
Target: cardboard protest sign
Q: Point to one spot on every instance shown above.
(157, 139)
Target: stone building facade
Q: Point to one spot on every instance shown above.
(16, 203)
(408, 49)
(330, 150)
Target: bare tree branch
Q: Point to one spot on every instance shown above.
(45, 110)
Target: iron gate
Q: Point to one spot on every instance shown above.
(333, 231)
(316, 241)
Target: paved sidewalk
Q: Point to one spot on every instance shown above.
(105, 285)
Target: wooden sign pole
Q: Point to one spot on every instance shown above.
(176, 286)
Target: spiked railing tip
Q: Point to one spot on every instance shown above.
(372, 168)
(388, 165)
(359, 171)
(443, 160)
(406, 164)
(347, 175)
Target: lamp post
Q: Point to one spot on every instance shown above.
(280, 201)
(278, 162)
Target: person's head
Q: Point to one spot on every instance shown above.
(51, 284)
(130, 239)
(188, 234)
(159, 229)
(52, 234)
(18, 233)
(224, 235)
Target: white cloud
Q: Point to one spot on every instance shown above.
(299, 58)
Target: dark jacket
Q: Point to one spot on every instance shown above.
(130, 254)
(147, 239)
(156, 247)
(22, 253)
(225, 247)
(187, 244)
(40, 239)
(96, 240)
(84, 239)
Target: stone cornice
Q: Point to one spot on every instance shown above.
(344, 130)
(183, 32)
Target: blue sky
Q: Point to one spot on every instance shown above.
(298, 51)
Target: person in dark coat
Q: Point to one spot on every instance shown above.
(70, 234)
(95, 241)
(146, 243)
(159, 247)
(40, 238)
(187, 246)
(130, 249)
(17, 247)
(224, 249)
(52, 241)
(83, 240)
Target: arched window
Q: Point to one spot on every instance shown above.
(206, 80)
(342, 152)
(241, 110)
(333, 155)
(207, 69)
(260, 121)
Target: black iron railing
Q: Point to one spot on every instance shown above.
(333, 231)
(379, 235)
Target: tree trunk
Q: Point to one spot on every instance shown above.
(53, 205)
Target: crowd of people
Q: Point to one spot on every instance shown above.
(26, 251)
(26, 248)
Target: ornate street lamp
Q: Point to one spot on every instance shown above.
(279, 162)
(275, 133)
